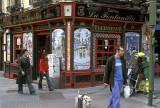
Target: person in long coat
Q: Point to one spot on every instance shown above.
(24, 74)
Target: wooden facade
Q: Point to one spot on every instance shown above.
(85, 38)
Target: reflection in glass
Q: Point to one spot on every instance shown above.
(99, 42)
(111, 42)
(104, 62)
(99, 62)
(99, 56)
(105, 56)
(100, 49)
(111, 49)
(110, 55)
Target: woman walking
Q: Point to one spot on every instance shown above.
(24, 74)
(44, 71)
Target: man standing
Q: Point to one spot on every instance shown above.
(115, 75)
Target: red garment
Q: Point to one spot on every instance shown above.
(43, 65)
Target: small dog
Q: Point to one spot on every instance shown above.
(86, 101)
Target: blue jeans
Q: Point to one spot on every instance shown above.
(47, 78)
(114, 101)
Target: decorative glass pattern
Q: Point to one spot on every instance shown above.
(68, 45)
(58, 45)
(8, 47)
(27, 44)
(132, 43)
(82, 49)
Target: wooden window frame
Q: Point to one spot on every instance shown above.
(103, 50)
(15, 47)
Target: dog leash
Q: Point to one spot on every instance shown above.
(96, 91)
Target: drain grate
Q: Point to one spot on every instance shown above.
(51, 96)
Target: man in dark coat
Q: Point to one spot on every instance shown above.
(23, 76)
(115, 75)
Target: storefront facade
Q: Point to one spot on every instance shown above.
(84, 37)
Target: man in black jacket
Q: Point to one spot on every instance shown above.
(115, 75)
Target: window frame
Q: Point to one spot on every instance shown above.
(104, 52)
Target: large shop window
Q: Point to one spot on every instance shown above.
(58, 45)
(132, 43)
(105, 48)
(27, 44)
(82, 49)
(8, 47)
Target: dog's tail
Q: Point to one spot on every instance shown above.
(78, 92)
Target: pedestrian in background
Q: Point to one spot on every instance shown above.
(24, 74)
(115, 75)
(44, 71)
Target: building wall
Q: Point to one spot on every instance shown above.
(4, 5)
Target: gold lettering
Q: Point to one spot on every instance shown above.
(93, 14)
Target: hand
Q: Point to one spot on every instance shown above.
(128, 83)
(44, 73)
(105, 84)
(23, 73)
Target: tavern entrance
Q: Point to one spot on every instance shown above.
(42, 46)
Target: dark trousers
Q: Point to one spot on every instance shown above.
(47, 78)
(30, 86)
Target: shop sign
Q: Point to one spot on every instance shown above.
(42, 27)
(111, 13)
(28, 28)
(58, 24)
(16, 30)
(36, 15)
(107, 28)
(132, 27)
(82, 24)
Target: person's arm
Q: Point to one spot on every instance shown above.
(20, 66)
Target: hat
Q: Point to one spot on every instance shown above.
(134, 51)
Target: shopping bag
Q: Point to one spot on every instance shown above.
(126, 91)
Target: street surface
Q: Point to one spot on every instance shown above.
(64, 98)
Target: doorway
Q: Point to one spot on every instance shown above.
(42, 46)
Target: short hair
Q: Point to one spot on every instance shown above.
(118, 47)
(23, 51)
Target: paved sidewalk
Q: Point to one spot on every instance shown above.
(64, 98)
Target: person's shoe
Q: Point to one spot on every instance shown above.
(51, 89)
(145, 93)
(32, 92)
(40, 88)
(20, 92)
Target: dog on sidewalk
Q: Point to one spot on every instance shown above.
(86, 101)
